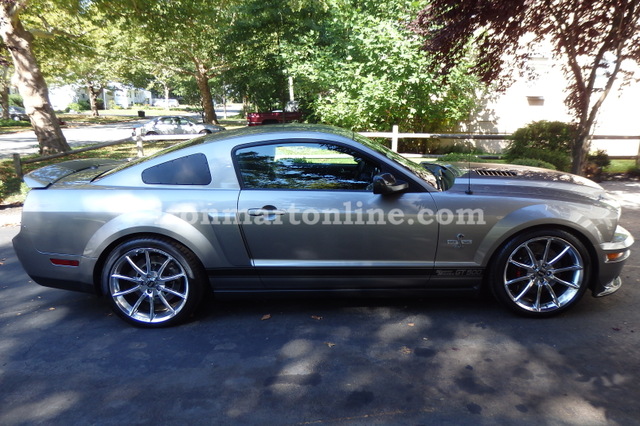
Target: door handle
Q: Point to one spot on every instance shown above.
(265, 211)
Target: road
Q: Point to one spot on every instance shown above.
(26, 143)
(65, 359)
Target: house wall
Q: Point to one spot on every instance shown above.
(62, 96)
(539, 94)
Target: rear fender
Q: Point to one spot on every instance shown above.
(206, 247)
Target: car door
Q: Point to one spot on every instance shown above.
(185, 126)
(165, 126)
(310, 219)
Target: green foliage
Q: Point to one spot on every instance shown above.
(600, 158)
(375, 75)
(459, 157)
(532, 162)
(79, 106)
(13, 123)
(16, 100)
(353, 64)
(549, 141)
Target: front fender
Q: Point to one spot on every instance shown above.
(571, 216)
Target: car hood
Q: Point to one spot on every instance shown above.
(79, 170)
(513, 180)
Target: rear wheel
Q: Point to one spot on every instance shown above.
(540, 273)
(153, 282)
(151, 133)
(205, 132)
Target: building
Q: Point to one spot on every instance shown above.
(539, 94)
(115, 95)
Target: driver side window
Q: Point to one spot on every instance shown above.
(305, 166)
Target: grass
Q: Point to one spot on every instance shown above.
(12, 126)
(620, 166)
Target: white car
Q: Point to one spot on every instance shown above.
(165, 102)
(174, 125)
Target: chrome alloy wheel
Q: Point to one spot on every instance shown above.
(544, 274)
(148, 285)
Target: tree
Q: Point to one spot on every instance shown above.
(182, 35)
(591, 39)
(4, 87)
(354, 64)
(30, 80)
(85, 53)
(377, 76)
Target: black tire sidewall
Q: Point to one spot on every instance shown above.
(498, 264)
(187, 260)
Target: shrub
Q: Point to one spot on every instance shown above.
(600, 159)
(78, 106)
(532, 162)
(13, 123)
(459, 157)
(549, 141)
(16, 100)
(559, 160)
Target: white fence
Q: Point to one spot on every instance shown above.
(605, 142)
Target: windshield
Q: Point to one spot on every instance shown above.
(414, 168)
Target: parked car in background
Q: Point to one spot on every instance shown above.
(16, 113)
(273, 117)
(308, 210)
(174, 125)
(166, 103)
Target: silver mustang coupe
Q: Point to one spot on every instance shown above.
(314, 209)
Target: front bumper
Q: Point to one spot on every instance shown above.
(613, 257)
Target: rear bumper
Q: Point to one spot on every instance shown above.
(39, 267)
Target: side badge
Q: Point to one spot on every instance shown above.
(459, 242)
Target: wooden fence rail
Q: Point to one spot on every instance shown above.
(395, 135)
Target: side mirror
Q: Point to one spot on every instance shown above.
(386, 183)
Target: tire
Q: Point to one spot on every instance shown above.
(205, 132)
(540, 273)
(153, 282)
(151, 133)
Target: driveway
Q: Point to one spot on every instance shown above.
(65, 359)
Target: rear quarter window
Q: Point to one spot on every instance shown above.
(190, 170)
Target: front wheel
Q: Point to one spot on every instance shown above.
(151, 134)
(540, 273)
(153, 282)
(205, 132)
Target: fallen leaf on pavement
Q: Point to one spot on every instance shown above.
(329, 344)
(316, 317)
(265, 317)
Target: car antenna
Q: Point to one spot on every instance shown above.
(469, 191)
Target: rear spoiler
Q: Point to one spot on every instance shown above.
(48, 175)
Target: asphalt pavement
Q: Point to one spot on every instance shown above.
(65, 359)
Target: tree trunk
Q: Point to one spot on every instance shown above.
(31, 83)
(93, 99)
(4, 93)
(579, 152)
(166, 95)
(205, 92)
